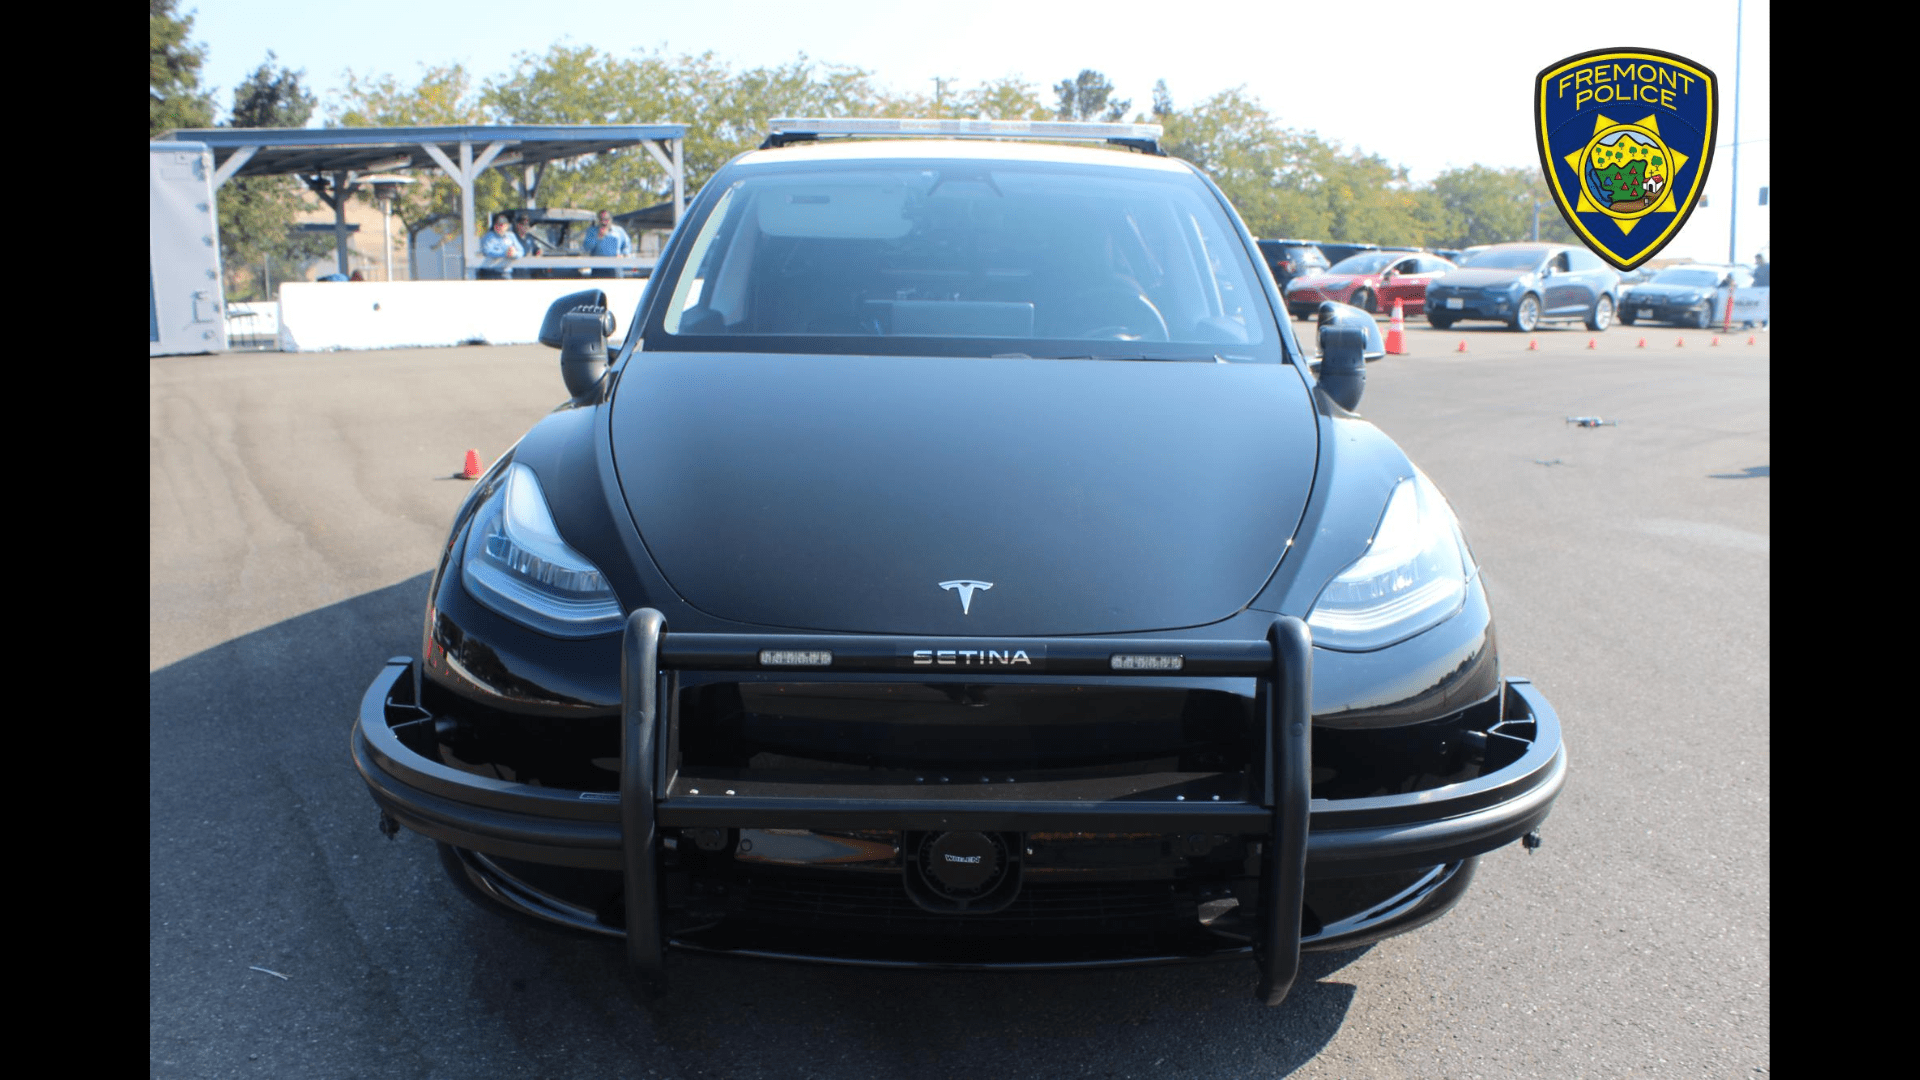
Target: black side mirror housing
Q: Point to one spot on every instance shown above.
(583, 349)
(550, 327)
(1343, 365)
(579, 324)
(1335, 314)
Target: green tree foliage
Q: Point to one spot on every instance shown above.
(1482, 205)
(1088, 96)
(258, 213)
(174, 98)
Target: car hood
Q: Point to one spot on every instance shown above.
(1668, 292)
(1327, 281)
(1480, 277)
(839, 493)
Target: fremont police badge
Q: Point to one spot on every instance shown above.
(1626, 136)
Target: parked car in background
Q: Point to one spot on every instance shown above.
(1370, 281)
(1692, 294)
(1289, 259)
(1337, 253)
(1524, 285)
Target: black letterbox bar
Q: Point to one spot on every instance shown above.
(953, 655)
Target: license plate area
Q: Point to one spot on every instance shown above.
(1644, 313)
(1454, 303)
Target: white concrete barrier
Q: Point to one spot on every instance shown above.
(317, 316)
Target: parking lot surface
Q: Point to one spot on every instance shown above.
(298, 502)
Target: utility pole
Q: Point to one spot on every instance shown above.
(1733, 218)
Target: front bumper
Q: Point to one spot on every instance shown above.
(1472, 306)
(1663, 309)
(643, 830)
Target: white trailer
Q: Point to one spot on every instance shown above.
(186, 309)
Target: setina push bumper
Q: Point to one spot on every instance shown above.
(1239, 849)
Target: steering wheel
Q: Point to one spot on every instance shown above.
(1136, 319)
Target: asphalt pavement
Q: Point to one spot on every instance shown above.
(298, 502)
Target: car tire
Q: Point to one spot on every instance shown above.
(1626, 318)
(1601, 316)
(1526, 317)
(1362, 299)
(1704, 318)
(1439, 322)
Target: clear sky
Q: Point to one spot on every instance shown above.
(1429, 85)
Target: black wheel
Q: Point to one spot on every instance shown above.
(1626, 318)
(1703, 318)
(1526, 317)
(1601, 316)
(1363, 300)
(1439, 322)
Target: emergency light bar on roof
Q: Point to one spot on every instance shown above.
(787, 129)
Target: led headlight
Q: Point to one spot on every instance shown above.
(517, 564)
(1413, 576)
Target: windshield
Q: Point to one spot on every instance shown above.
(1705, 279)
(1508, 259)
(1371, 262)
(967, 257)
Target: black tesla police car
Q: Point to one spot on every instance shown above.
(960, 563)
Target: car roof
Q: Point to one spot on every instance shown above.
(843, 149)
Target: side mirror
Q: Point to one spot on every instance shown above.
(578, 324)
(550, 332)
(1343, 366)
(1333, 314)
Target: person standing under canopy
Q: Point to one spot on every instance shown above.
(606, 238)
(498, 244)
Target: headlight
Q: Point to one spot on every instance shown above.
(1413, 576)
(517, 564)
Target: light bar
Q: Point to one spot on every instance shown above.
(789, 126)
(1145, 662)
(795, 657)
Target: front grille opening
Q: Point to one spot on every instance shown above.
(575, 753)
(1362, 763)
(990, 727)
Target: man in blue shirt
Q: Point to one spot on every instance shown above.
(606, 238)
(498, 244)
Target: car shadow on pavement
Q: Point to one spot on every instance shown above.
(265, 861)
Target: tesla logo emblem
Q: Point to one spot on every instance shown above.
(966, 592)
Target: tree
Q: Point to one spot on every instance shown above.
(1007, 98)
(258, 213)
(1086, 96)
(1162, 100)
(174, 98)
(1482, 205)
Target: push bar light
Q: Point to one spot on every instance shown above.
(788, 127)
(1145, 662)
(795, 657)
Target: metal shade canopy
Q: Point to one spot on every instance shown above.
(346, 155)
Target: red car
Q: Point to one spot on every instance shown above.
(1370, 281)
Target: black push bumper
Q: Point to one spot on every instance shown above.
(619, 830)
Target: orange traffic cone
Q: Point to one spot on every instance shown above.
(1642, 345)
(1397, 332)
(1749, 339)
(1593, 343)
(1463, 346)
(1533, 344)
(1679, 342)
(471, 471)
(1715, 341)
